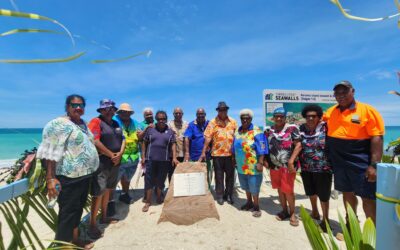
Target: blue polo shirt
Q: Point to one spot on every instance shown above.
(195, 134)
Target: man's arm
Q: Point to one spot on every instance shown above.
(175, 162)
(205, 146)
(187, 156)
(117, 156)
(103, 149)
(376, 149)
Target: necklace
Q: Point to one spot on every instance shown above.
(82, 125)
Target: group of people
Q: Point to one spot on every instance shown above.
(345, 143)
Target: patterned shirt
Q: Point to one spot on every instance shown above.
(70, 146)
(221, 133)
(281, 145)
(247, 147)
(313, 157)
(131, 152)
(179, 135)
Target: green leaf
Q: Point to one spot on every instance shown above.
(346, 234)
(312, 232)
(16, 31)
(18, 14)
(355, 230)
(369, 234)
(147, 53)
(347, 15)
(334, 246)
(29, 61)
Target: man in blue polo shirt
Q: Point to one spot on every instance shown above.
(194, 141)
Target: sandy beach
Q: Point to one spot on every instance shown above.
(235, 230)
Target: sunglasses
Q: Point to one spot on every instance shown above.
(109, 109)
(161, 119)
(77, 105)
(125, 112)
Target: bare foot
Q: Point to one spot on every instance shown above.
(146, 207)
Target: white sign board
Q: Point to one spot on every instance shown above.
(189, 184)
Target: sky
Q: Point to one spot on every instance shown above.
(203, 52)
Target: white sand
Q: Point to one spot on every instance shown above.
(235, 230)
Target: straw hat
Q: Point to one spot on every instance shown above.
(125, 107)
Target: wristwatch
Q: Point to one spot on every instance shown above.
(373, 164)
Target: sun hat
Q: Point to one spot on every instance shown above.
(222, 105)
(279, 111)
(125, 107)
(343, 83)
(106, 103)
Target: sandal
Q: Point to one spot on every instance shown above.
(85, 244)
(146, 207)
(294, 222)
(247, 206)
(256, 212)
(282, 215)
(95, 233)
(108, 220)
(317, 217)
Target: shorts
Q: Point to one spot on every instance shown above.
(250, 183)
(319, 184)
(128, 170)
(283, 180)
(106, 177)
(156, 174)
(352, 179)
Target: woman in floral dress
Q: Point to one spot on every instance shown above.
(71, 158)
(316, 171)
(284, 147)
(249, 146)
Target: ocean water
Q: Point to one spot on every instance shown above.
(14, 141)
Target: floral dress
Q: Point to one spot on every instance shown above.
(281, 145)
(247, 146)
(313, 157)
(70, 146)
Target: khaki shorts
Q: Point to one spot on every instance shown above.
(106, 177)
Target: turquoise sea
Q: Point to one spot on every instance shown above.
(14, 141)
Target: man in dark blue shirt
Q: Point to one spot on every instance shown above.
(194, 141)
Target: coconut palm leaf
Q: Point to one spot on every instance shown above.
(55, 60)
(394, 92)
(16, 31)
(147, 53)
(347, 15)
(10, 13)
(313, 234)
(369, 234)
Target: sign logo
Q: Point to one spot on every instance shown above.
(269, 96)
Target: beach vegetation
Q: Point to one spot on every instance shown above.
(16, 210)
(354, 237)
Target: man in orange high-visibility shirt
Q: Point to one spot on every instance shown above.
(355, 146)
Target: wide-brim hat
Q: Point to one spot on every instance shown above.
(344, 83)
(106, 103)
(222, 105)
(125, 107)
